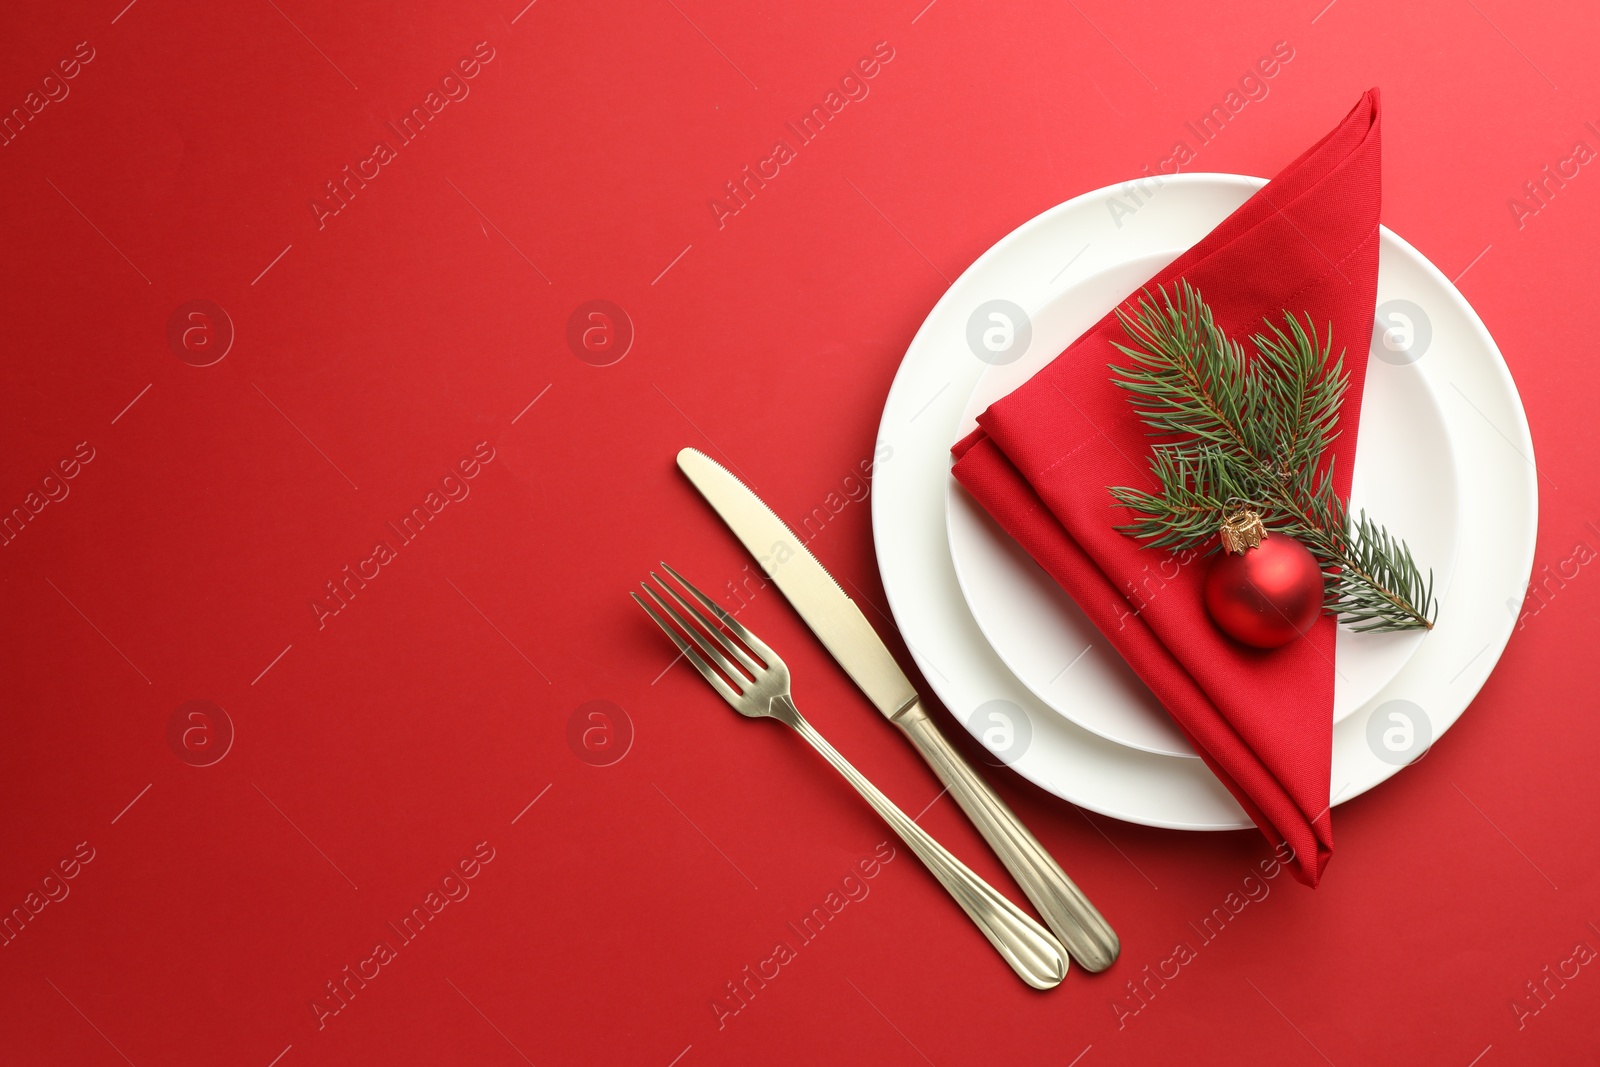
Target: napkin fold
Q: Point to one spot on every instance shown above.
(1042, 458)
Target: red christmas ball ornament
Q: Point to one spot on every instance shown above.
(1262, 591)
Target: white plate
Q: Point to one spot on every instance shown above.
(1053, 649)
(1458, 361)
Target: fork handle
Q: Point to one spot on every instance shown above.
(1085, 932)
(1033, 952)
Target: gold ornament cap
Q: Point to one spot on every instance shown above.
(1241, 530)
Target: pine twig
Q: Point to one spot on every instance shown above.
(1233, 430)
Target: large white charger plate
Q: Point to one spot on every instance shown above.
(1052, 647)
(1079, 240)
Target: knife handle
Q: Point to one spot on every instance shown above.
(1087, 935)
(1037, 957)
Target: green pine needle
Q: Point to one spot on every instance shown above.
(1238, 432)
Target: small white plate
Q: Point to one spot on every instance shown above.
(1451, 352)
(1055, 651)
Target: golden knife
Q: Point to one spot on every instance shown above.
(845, 631)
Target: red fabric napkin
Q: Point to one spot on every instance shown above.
(1042, 458)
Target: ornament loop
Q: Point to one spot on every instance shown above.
(1241, 529)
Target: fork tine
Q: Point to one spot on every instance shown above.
(690, 631)
(739, 629)
(706, 648)
(717, 682)
(728, 644)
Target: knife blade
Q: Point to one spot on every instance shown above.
(842, 628)
(830, 612)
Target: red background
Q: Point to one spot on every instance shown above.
(374, 353)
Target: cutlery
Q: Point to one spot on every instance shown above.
(758, 687)
(839, 624)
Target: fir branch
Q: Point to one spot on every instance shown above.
(1236, 431)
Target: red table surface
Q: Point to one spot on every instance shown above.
(433, 726)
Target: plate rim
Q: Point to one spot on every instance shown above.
(1054, 295)
(1371, 771)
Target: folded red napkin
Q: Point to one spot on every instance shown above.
(1041, 460)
